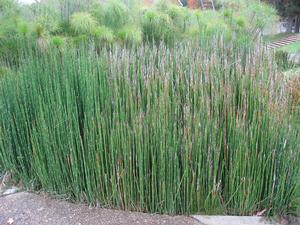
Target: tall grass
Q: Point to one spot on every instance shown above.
(179, 130)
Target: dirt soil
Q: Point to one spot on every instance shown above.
(30, 209)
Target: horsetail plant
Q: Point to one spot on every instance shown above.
(156, 129)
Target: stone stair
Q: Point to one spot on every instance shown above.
(283, 42)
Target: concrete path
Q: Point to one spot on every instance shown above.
(31, 209)
(284, 41)
(237, 220)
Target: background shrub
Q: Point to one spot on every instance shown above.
(130, 35)
(103, 35)
(116, 14)
(83, 23)
(157, 27)
(163, 22)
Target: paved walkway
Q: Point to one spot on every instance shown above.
(284, 41)
(31, 209)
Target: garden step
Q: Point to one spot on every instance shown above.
(283, 42)
(290, 39)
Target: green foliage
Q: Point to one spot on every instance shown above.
(205, 126)
(65, 28)
(210, 23)
(255, 15)
(157, 27)
(162, 5)
(49, 21)
(103, 35)
(39, 30)
(295, 210)
(23, 29)
(13, 31)
(4, 71)
(241, 23)
(228, 14)
(261, 13)
(150, 129)
(83, 23)
(130, 35)
(181, 18)
(282, 60)
(8, 27)
(14, 27)
(97, 11)
(292, 8)
(58, 42)
(8, 8)
(293, 48)
(116, 14)
(164, 22)
(80, 40)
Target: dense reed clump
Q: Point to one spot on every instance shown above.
(179, 130)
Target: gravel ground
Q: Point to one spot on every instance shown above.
(30, 209)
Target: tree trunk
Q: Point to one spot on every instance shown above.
(289, 27)
(297, 24)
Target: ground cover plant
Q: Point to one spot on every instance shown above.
(292, 48)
